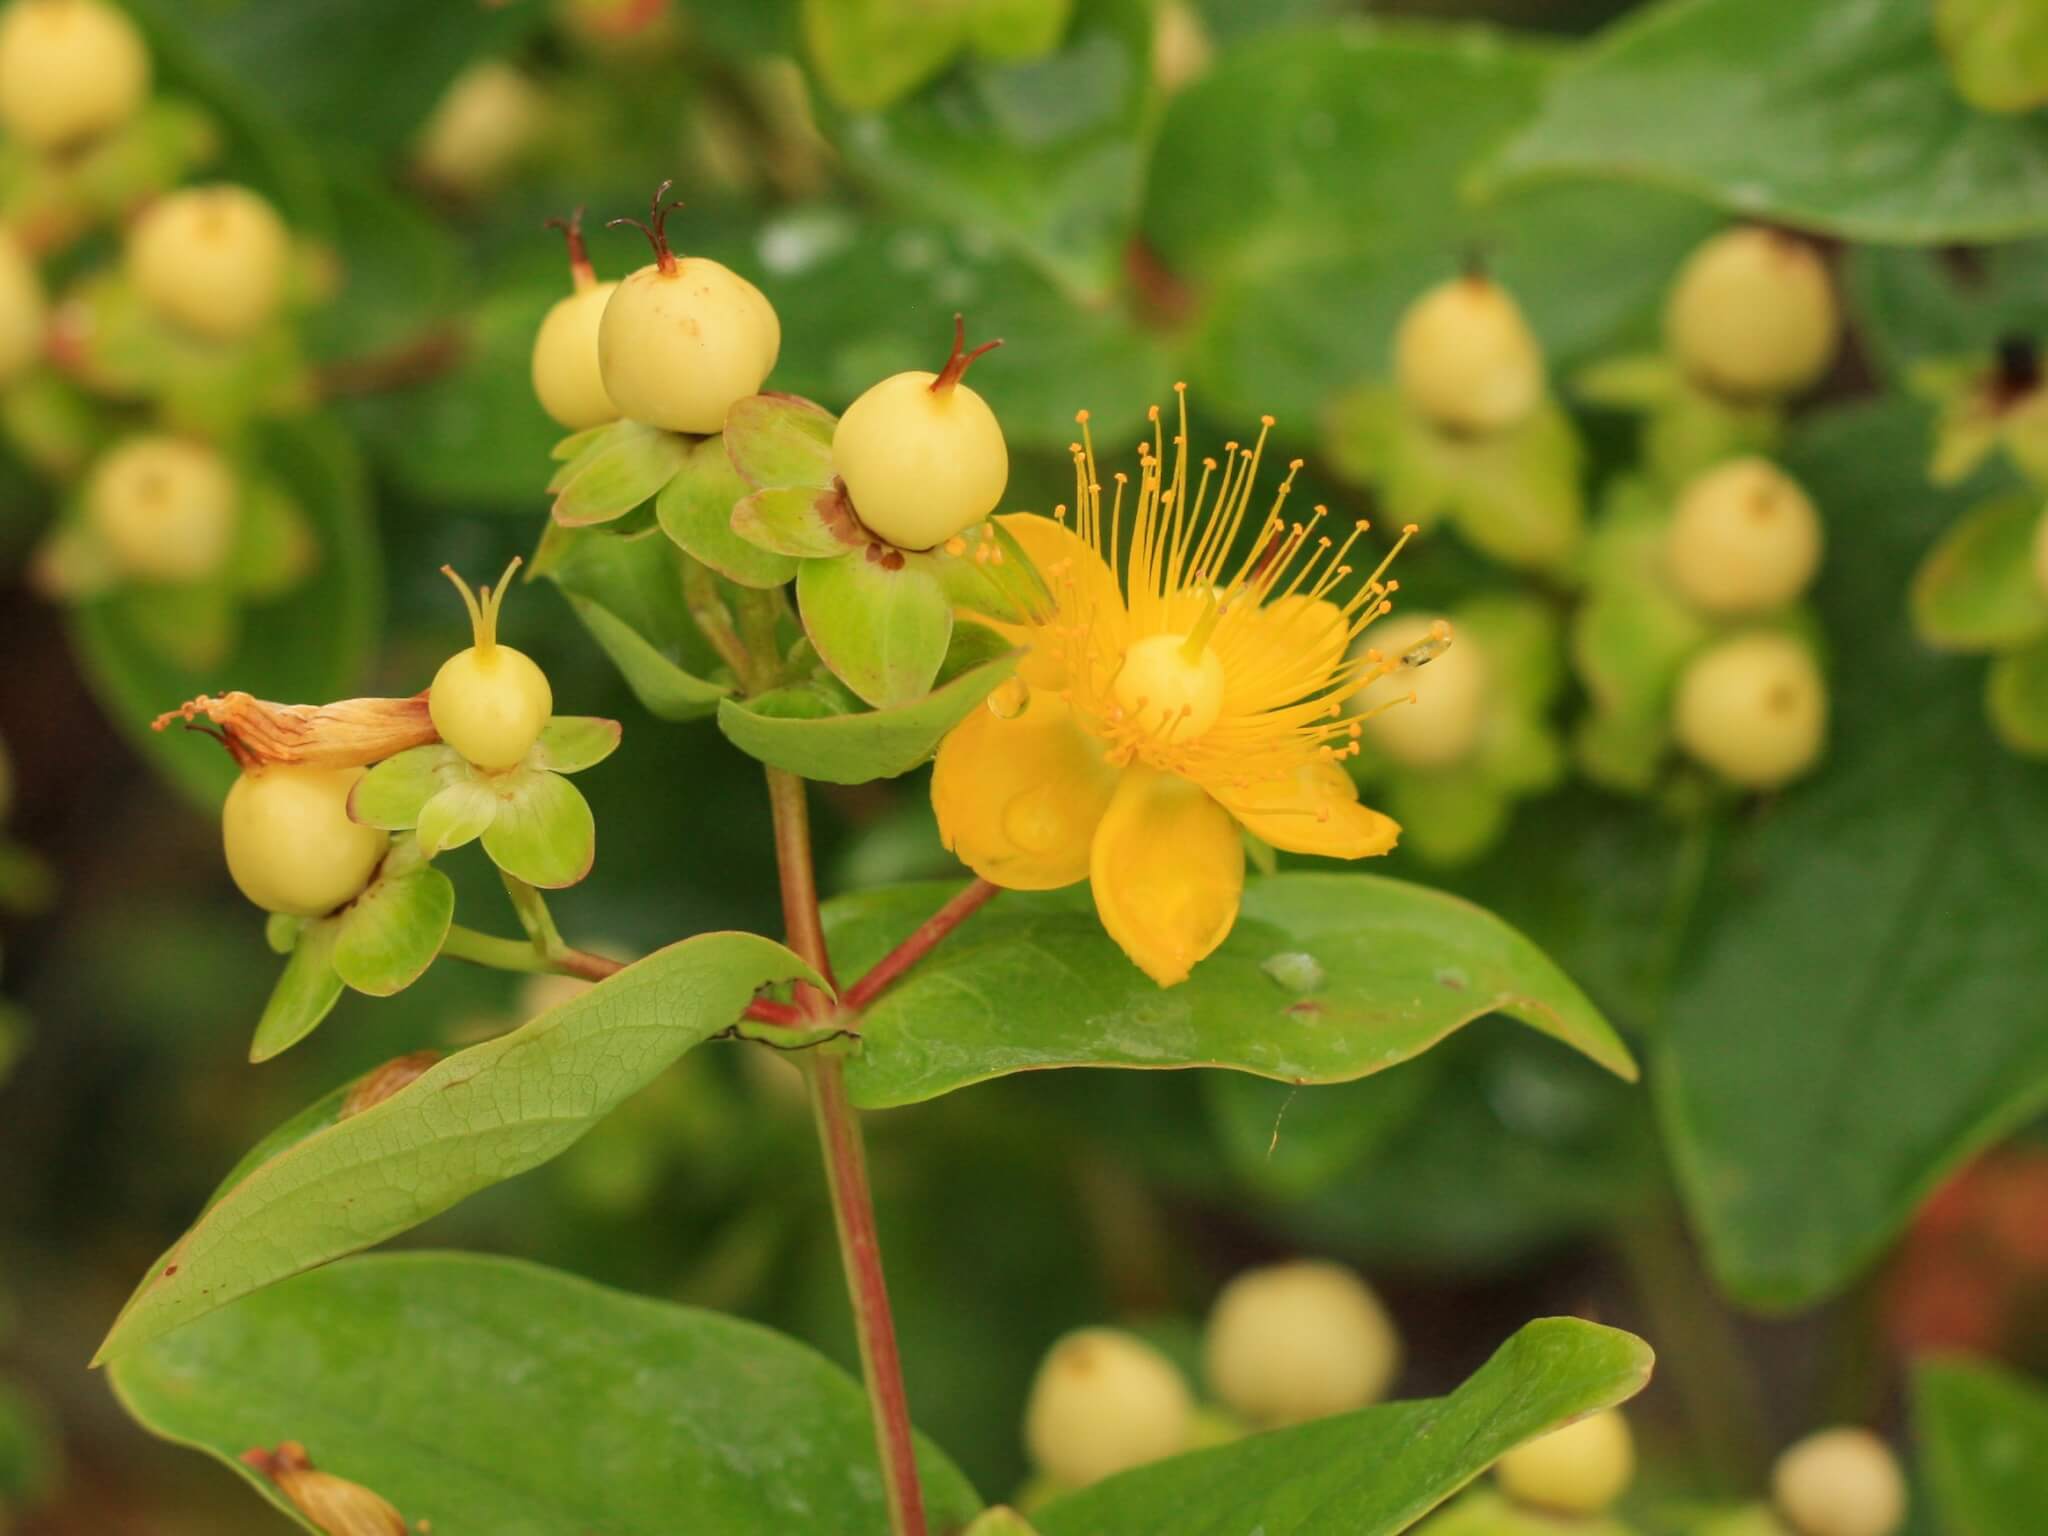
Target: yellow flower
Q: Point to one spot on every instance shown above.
(1154, 717)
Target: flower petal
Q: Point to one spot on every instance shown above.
(1077, 578)
(1167, 869)
(1315, 811)
(1282, 652)
(1019, 799)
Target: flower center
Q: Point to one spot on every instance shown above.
(1167, 693)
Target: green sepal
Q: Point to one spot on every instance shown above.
(993, 576)
(1017, 29)
(393, 931)
(776, 440)
(797, 729)
(624, 469)
(696, 510)
(52, 424)
(543, 832)
(306, 991)
(572, 743)
(1976, 589)
(571, 448)
(2016, 695)
(281, 932)
(1632, 634)
(393, 793)
(1622, 750)
(456, 815)
(883, 631)
(1485, 1512)
(797, 522)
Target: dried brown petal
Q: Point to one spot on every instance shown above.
(378, 1084)
(331, 1504)
(346, 734)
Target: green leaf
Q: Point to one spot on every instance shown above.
(874, 744)
(628, 591)
(543, 832)
(1916, 307)
(696, 510)
(2016, 695)
(392, 794)
(312, 642)
(394, 930)
(1983, 1446)
(273, 545)
(1377, 1472)
(1858, 1008)
(623, 469)
(1288, 1141)
(1976, 589)
(869, 53)
(572, 743)
(1483, 1512)
(1033, 981)
(1997, 52)
(305, 993)
(882, 632)
(796, 523)
(1833, 115)
(493, 1429)
(472, 1120)
(777, 440)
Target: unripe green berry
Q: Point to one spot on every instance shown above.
(489, 702)
(1104, 1401)
(212, 260)
(1441, 723)
(1840, 1482)
(70, 70)
(1744, 539)
(163, 508)
(1754, 709)
(1580, 1469)
(24, 311)
(1752, 314)
(1299, 1341)
(922, 455)
(1465, 358)
(290, 844)
(486, 119)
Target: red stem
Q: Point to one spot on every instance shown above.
(765, 1010)
(891, 966)
(853, 1206)
(581, 962)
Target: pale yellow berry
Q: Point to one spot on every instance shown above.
(1466, 359)
(489, 702)
(1580, 1469)
(1299, 1341)
(566, 377)
(69, 70)
(1744, 539)
(23, 309)
(290, 844)
(1840, 1482)
(163, 508)
(684, 338)
(1104, 1401)
(212, 260)
(1451, 693)
(2041, 553)
(922, 455)
(1753, 314)
(1754, 709)
(489, 117)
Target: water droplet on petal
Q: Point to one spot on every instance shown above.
(1010, 699)
(1295, 971)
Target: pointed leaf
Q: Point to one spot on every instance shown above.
(776, 440)
(629, 467)
(1983, 1446)
(2016, 693)
(543, 833)
(527, 1403)
(572, 743)
(1976, 590)
(1373, 1473)
(393, 793)
(696, 510)
(1032, 981)
(882, 632)
(874, 744)
(473, 1120)
(304, 995)
(393, 931)
(457, 815)
(797, 522)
